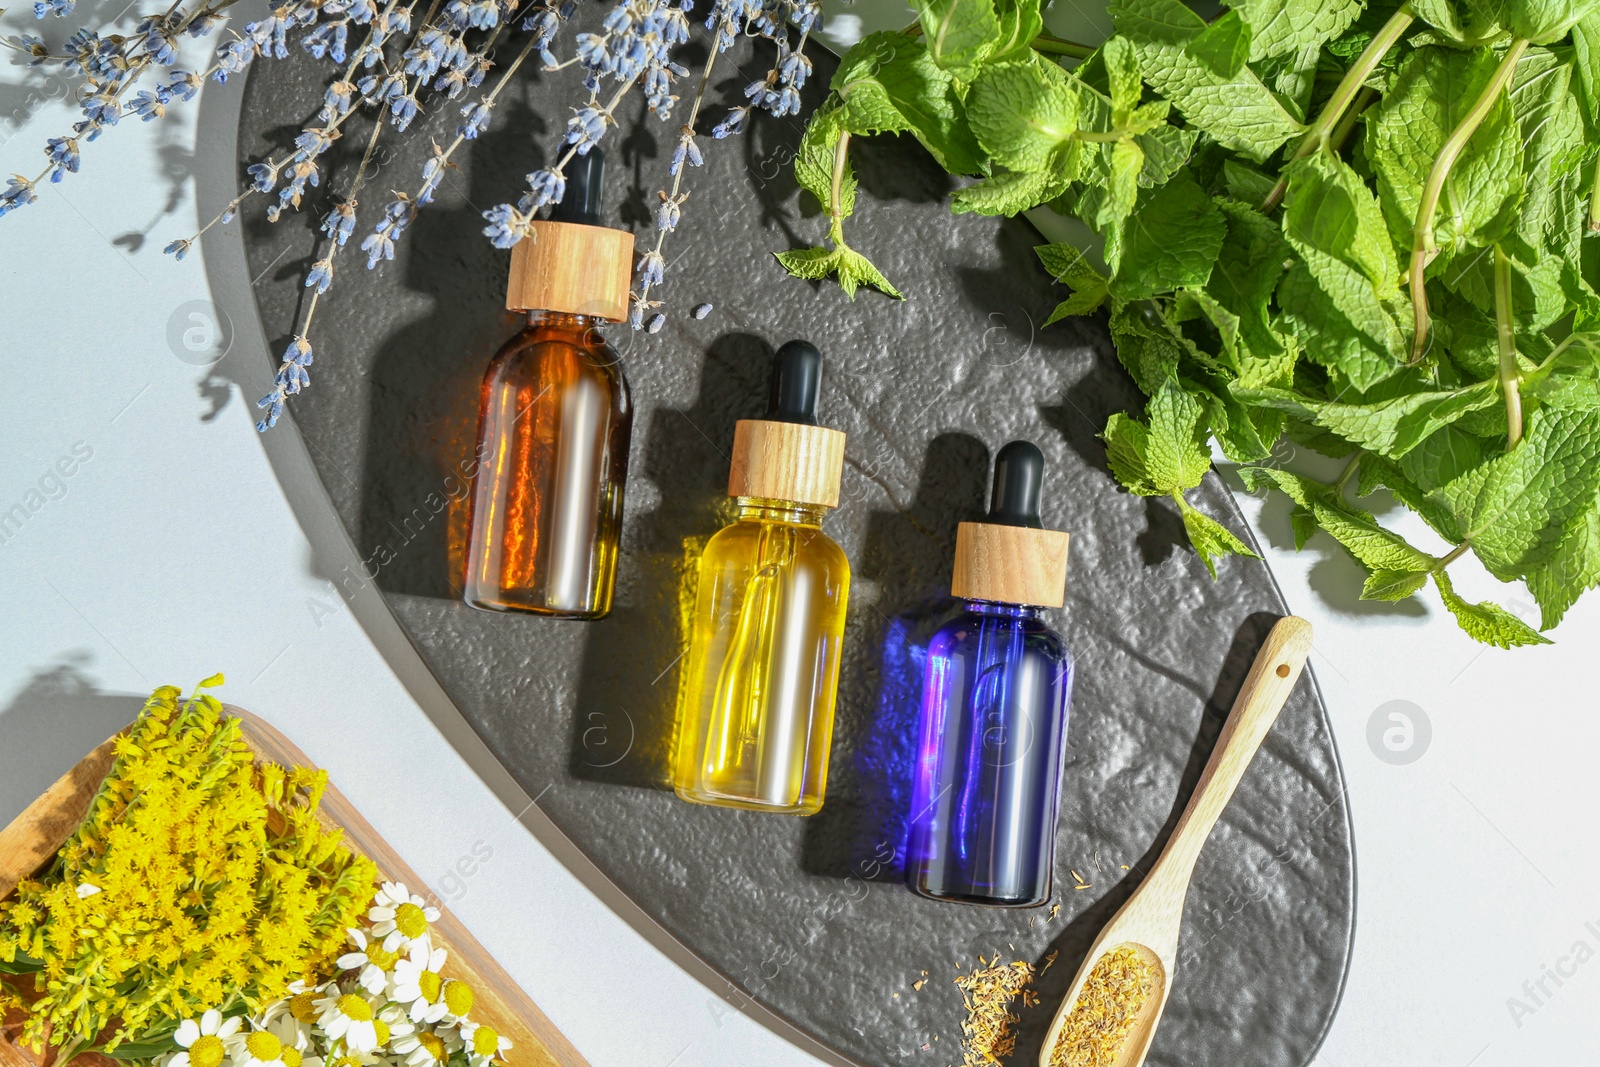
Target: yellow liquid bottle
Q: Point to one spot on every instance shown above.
(755, 707)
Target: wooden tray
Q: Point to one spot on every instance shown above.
(44, 826)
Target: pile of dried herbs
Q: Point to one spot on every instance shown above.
(1359, 225)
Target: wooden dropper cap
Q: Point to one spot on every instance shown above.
(1009, 558)
(569, 262)
(787, 456)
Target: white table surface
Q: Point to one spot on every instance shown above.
(175, 551)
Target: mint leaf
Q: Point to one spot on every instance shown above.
(1166, 149)
(1018, 23)
(1343, 295)
(1123, 81)
(1072, 268)
(1239, 112)
(1246, 273)
(1023, 112)
(1393, 585)
(889, 83)
(1489, 623)
(1211, 539)
(1281, 26)
(1516, 510)
(1356, 530)
(853, 269)
(1010, 193)
(1171, 240)
(1571, 570)
(1223, 47)
(959, 33)
(1389, 427)
(1146, 349)
(1430, 95)
(1175, 454)
(1126, 442)
(1551, 125)
(1542, 21)
(1164, 455)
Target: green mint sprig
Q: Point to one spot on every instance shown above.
(1360, 226)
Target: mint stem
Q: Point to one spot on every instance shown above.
(1506, 330)
(1317, 134)
(1349, 472)
(1423, 246)
(1056, 46)
(836, 190)
(1453, 555)
(1594, 201)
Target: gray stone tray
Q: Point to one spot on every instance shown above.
(806, 916)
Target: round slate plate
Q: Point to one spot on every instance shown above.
(806, 916)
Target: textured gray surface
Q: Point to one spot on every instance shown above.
(802, 913)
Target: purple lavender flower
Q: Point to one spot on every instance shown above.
(19, 191)
(585, 128)
(185, 84)
(652, 268)
(178, 249)
(327, 40)
(379, 245)
(477, 120)
(320, 275)
(58, 8)
(340, 223)
(148, 105)
(506, 225)
(102, 109)
(733, 124)
(263, 176)
(63, 153)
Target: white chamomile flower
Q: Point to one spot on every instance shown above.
(204, 1043)
(458, 999)
(393, 1024)
(265, 1048)
(484, 1043)
(422, 1049)
(371, 959)
(400, 917)
(348, 1017)
(418, 984)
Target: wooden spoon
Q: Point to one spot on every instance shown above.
(1150, 920)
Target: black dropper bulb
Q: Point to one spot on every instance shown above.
(796, 379)
(1018, 476)
(581, 204)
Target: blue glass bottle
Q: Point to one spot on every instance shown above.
(995, 696)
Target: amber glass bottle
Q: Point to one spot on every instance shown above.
(554, 421)
(755, 711)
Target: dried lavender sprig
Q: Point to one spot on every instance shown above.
(653, 265)
(112, 67)
(509, 223)
(400, 212)
(292, 375)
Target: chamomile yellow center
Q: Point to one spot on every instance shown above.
(410, 921)
(207, 1051)
(485, 1042)
(303, 1006)
(378, 957)
(355, 1008)
(431, 985)
(263, 1046)
(291, 1057)
(457, 997)
(382, 1029)
(432, 1043)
